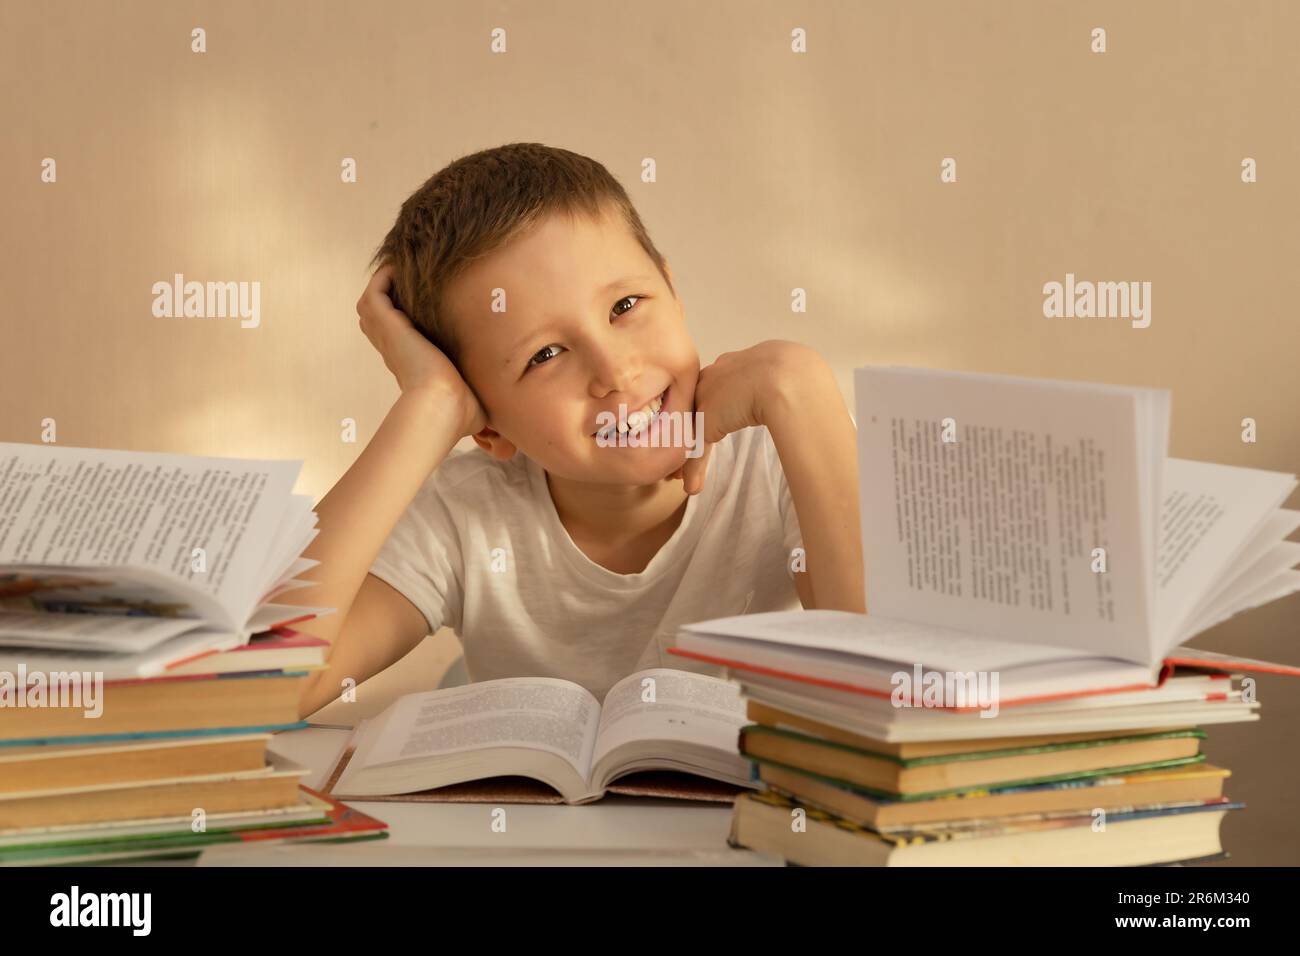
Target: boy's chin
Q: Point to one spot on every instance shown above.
(633, 466)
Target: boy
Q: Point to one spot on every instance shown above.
(521, 302)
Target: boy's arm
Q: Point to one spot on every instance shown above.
(817, 444)
(374, 625)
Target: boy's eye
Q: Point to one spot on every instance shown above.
(533, 363)
(626, 298)
(542, 351)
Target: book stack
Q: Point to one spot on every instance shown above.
(144, 661)
(1020, 692)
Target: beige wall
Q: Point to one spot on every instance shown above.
(775, 170)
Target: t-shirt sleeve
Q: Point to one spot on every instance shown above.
(422, 559)
(771, 461)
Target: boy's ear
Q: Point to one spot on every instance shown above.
(494, 444)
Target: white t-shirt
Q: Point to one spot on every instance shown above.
(539, 607)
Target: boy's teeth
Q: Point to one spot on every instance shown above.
(639, 418)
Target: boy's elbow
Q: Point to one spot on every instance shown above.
(310, 700)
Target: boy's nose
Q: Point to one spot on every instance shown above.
(616, 371)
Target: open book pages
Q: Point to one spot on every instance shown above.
(1048, 513)
(121, 552)
(550, 730)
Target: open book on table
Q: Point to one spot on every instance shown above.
(1033, 527)
(552, 731)
(144, 553)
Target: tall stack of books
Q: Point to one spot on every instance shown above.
(855, 771)
(144, 663)
(1020, 692)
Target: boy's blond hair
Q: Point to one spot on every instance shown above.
(477, 204)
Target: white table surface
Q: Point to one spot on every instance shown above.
(616, 830)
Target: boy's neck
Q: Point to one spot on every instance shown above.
(618, 514)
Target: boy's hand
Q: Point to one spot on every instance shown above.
(416, 363)
(733, 392)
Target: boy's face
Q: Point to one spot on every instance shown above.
(589, 324)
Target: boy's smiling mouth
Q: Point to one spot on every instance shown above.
(635, 420)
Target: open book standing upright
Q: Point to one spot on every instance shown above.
(1048, 513)
(1034, 528)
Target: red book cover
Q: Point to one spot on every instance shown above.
(343, 821)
